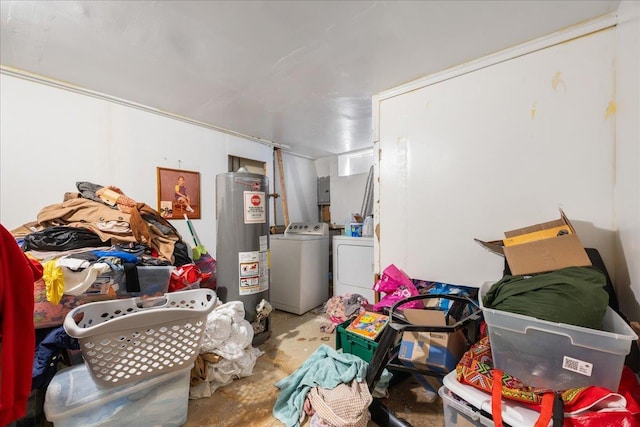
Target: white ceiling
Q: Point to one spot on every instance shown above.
(297, 73)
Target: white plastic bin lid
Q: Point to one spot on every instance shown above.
(73, 391)
(512, 413)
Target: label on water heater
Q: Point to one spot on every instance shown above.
(251, 272)
(255, 210)
(264, 270)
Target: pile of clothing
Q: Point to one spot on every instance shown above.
(329, 387)
(572, 295)
(104, 216)
(341, 308)
(226, 352)
(90, 246)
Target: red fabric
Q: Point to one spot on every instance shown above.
(582, 399)
(630, 389)
(18, 334)
(601, 419)
(207, 265)
(36, 268)
(186, 276)
(546, 410)
(496, 397)
(590, 396)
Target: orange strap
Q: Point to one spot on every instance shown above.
(496, 398)
(546, 410)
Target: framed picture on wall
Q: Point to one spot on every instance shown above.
(178, 193)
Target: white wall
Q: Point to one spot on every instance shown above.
(497, 149)
(590, 119)
(50, 138)
(301, 187)
(627, 195)
(347, 192)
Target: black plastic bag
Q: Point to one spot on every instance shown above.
(61, 238)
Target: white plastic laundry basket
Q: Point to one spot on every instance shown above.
(126, 340)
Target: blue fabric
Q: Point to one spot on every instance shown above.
(125, 256)
(45, 361)
(325, 368)
(426, 287)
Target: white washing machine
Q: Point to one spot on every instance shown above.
(353, 266)
(300, 267)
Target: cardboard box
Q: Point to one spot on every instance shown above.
(539, 252)
(433, 351)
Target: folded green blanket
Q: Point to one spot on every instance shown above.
(573, 295)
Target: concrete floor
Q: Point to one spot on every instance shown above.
(249, 401)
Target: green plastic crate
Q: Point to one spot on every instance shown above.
(354, 344)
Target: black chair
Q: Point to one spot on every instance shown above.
(386, 354)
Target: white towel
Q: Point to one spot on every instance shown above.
(229, 335)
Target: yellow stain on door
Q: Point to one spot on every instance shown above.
(611, 110)
(557, 81)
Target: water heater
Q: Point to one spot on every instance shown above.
(242, 249)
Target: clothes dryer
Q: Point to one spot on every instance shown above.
(300, 267)
(353, 266)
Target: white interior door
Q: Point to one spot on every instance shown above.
(497, 149)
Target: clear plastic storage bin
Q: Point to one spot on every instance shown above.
(556, 355)
(73, 399)
(154, 281)
(457, 412)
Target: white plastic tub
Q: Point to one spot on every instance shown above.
(465, 405)
(458, 412)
